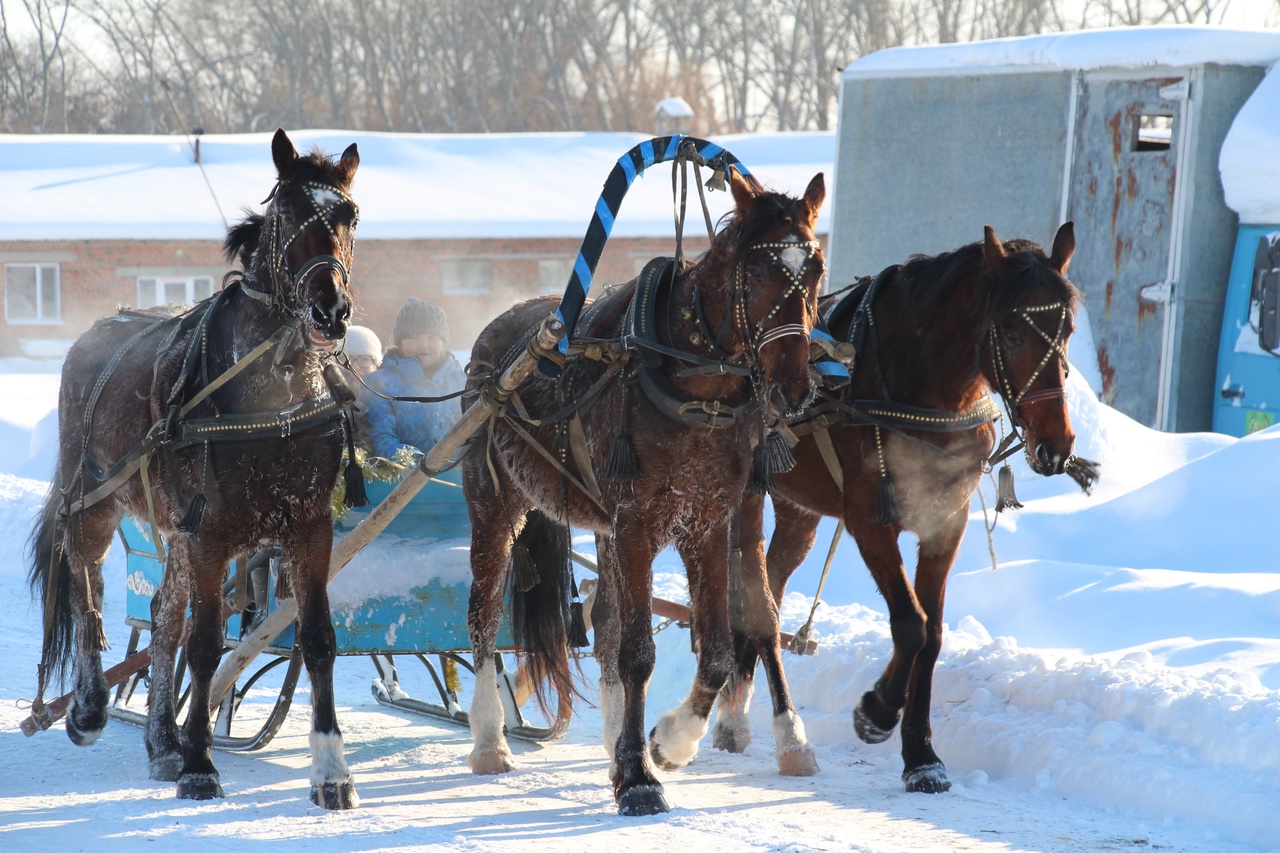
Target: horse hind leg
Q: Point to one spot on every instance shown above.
(198, 779)
(490, 553)
(85, 544)
(168, 618)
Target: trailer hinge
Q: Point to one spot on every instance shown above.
(1160, 293)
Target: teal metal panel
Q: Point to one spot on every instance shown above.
(1247, 397)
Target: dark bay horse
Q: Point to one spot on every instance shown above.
(903, 447)
(708, 362)
(147, 429)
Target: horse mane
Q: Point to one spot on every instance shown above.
(243, 239)
(931, 280)
(736, 235)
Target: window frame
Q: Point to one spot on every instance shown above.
(460, 263)
(40, 319)
(159, 282)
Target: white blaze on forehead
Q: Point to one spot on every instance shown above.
(793, 257)
(323, 196)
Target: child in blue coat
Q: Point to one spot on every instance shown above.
(417, 365)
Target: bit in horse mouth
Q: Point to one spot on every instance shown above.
(318, 339)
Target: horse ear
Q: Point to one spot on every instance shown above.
(1064, 246)
(744, 193)
(282, 152)
(814, 195)
(349, 162)
(993, 249)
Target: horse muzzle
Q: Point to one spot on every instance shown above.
(1049, 459)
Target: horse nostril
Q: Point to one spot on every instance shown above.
(318, 317)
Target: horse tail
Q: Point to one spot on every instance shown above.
(50, 567)
(540, 604)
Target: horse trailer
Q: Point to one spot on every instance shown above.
(1118, 130)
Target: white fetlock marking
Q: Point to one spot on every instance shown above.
(611, 702)
(328, 764)
(789, 734)
(678, 733)
(487, 712)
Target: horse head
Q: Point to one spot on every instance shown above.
(779, 268)
(1025, 355)
(306, 239)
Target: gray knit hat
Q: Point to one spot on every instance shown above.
(419, 317)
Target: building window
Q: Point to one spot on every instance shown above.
(464, 276)
(553, 274)
(177, 291)
(32, 293)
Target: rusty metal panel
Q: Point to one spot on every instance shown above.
(1122, 196)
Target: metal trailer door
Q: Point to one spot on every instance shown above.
(1129, 137)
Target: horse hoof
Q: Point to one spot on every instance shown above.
(642, 800)
(166, 768)
(927, 779)
(335, 796)
(662, 759)
(199, 786)
(730, 739)
(798, 762)
(82, 728)
(489, 762)
(868, 729)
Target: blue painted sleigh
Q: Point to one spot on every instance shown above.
(405, 596)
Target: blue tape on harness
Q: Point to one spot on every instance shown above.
(646, 151)
(606, 216)
(628, 167)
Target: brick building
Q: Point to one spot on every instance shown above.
(474, 222)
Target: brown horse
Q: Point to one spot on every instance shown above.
(903, 447)
(704, 363)
(146, 430)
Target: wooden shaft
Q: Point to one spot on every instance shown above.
(286, 611)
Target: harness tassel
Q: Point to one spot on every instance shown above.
(780, 459)
(761, 470)
(622, 460)
(1005, 497)
(886, 503)
(95, 632)
(526, 573)
(577, 627)
(354, 494)
(190, 524)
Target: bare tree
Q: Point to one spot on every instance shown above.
(33, 70)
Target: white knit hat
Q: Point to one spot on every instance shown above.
(361, 340)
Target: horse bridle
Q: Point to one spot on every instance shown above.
(754, 337)
(324, 198)
(1055, 350)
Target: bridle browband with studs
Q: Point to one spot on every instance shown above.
(324, 198)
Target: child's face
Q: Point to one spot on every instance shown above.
(426, 347)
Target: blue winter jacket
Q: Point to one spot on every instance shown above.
(417, 425)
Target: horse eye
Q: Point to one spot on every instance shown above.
(1012, 337)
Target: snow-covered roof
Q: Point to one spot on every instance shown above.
(408, 186)
(1118, 47)
(1249, 161)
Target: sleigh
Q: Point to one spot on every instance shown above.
(402, 602)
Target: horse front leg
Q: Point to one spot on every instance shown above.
(923, 771)
(879, 708)
(198, 779)
(490, 554)
(636, 789)
(674, 740)
(306, 559)
(168, 618)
